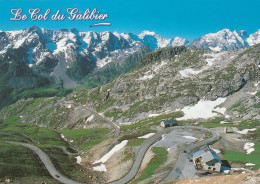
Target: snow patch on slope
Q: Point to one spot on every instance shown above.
(216, 49)
(145, 77)
(213, 58)
(90, 118)
(19, 42)
(249, 164)
(249, 147)
(146, 136)
(100, 168)
(203, 109)
(155, 68)
(189, 71)
(115, 149)
(79, 159)
(245, 131)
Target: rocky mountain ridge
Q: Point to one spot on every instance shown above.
(103, 47)
(165, 81)
(36, 57)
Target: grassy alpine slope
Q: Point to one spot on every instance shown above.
(19, 163)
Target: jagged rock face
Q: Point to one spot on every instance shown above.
(64, 54)
(41, 43)
(71, 56)
(42, 49)
(226, 40)
(36, 57)
(155, 41)
(167, 81)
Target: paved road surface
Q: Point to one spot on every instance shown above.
(47, 162)
(145, 146)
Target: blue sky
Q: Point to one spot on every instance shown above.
(186, 18)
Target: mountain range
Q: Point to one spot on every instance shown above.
(66, 58)
(100, 48)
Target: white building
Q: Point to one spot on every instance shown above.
(207, 160)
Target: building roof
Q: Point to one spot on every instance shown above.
(207, 155)
(167, 122)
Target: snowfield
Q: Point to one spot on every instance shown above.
(153, 115)
(155, 68)
(252, 93)
(215, 49)
(245, 131)
(146, 136)
(115, 149)
(203, 109)
(90, 118)
(249, 164)
(79, 159)
(249, 147)
(189, 71)
(214, 58)
(145, 77)
(63, 137)
(100, 168)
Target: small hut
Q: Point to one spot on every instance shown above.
(168, 123)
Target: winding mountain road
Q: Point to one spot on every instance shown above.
(47, 163)
(145, 146)
(139, 155)
(115, 126)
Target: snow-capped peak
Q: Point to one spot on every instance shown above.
(155, 41)
(254, 38)
(178, 41)
(102, 45)
(116, 34)
(222, 40)
(131, 37)
(146, 33)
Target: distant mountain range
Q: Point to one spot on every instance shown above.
(100, 48)
(226, 40)
(70, 56)
(221, 41)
